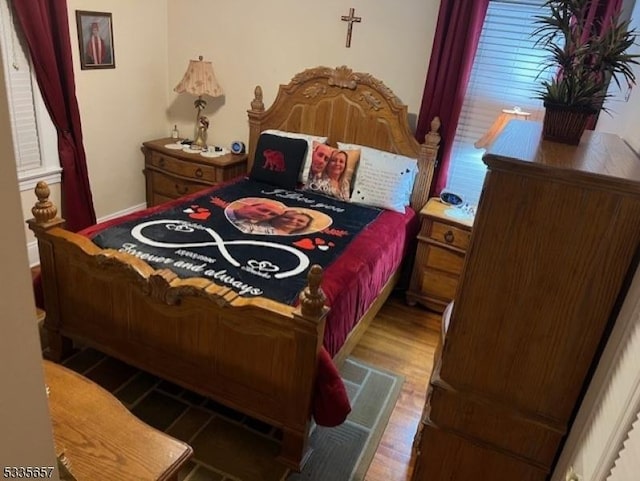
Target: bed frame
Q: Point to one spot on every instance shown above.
(254, 355)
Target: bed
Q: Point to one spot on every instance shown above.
(256, 355)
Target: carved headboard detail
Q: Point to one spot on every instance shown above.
(346, 106)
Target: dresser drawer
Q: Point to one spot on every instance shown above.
(205, 173)
(506, 427)
(447, 455)
(157, 199)
(172, 187)
(447, 234)
(438, 284)
(444, 259)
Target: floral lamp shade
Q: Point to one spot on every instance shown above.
(199, 79)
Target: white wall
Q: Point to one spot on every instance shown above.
(25, 430)
(121, 107)
(266, 43)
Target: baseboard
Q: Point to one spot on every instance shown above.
(32, 247)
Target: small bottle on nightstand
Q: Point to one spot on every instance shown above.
(174, 132)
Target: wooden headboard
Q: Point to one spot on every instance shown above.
(351, 107)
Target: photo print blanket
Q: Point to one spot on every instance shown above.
(254, 238)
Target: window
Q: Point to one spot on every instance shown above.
(504, 75)
(34, 136)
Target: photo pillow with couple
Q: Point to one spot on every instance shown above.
(331, 170)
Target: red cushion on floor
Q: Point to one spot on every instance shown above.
(331, 404)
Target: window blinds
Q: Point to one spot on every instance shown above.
(34, 136)
(504, 75)
(21, 102)
(627, 464)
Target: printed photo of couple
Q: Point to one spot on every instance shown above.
(331, 170)
(258, 215)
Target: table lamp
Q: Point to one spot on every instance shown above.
(199, 80)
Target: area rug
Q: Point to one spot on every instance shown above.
(229, 446)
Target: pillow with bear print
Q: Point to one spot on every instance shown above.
(383, 179)
(278, 160)
(304, 172)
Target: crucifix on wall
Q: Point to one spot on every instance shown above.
(350, 19)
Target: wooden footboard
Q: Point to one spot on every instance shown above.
(256, 356)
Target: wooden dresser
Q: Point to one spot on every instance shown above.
(101, 439)
(554, 238)
(442, 243)
(173, 173)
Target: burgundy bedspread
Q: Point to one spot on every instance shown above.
(354, 281)
(351, 285)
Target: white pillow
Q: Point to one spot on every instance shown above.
(304, 172)
(383, 179)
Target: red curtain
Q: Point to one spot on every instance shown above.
(599, 16)
(454, 47)
(45, 26)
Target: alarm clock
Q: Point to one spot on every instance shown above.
(237, 147)
(451, 198)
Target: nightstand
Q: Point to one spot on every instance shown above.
(173, 173)
(444, 236)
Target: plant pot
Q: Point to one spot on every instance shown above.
(565, 123)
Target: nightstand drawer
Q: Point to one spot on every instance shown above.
(206, 173)
(447, 234)
(156, 199)
(438, 284)
(444, 259)
(172, 187)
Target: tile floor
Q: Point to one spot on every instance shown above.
(186, 416)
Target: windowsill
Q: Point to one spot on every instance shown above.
(29, 180)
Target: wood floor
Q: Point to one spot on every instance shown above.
(402, 339)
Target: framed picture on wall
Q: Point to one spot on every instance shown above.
(95, 40)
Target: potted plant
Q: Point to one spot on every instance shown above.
(583, 57)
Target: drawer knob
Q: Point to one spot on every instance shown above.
(199, 172)
(181, 189)
(449, 237)
(161, 162)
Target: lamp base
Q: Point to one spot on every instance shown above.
(201, 133)
(201, 139)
